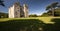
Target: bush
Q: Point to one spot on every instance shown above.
(33, 15)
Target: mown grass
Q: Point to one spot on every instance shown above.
(20, 24)
(47, 19)
(44, 19)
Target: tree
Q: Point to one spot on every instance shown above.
(33, 15)
(1, 3)
(52, 7)
(57, 12)
(3, 15)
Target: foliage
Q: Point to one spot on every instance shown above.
(1, 3)
(33, 15)
(57, 12)
(48, 7)
(52, 10)
(3, 15)
(47, 14)
(52, 7)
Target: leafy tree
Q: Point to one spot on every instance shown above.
(44, 15)
(33, 15)
(52, 7)
(57, 12)
(3, 15)
(1, 3)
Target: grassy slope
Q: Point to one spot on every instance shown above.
(44, 19)
(47, 19)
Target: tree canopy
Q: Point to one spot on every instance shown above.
(1, 3)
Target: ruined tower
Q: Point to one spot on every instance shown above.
(25, 10)
(18, 11)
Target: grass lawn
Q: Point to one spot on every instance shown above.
(44, 19)
(47, 19)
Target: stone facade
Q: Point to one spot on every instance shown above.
(17, 11)
(25, 10)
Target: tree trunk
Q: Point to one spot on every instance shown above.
(52, 11)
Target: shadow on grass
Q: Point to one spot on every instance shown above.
(29, 25)
(53, 27)
(21, 25)
(57, 24)
(56, 20)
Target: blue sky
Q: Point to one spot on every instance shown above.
(35, 6)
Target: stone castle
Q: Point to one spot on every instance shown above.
(17, 11)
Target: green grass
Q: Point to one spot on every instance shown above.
(47, 19)
(44, 19)
(20, 24)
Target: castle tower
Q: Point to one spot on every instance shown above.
(18, 11)
(25, 8)
(14, 11)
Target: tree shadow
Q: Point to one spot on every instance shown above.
(29, 25)
(53, 27)
(57, 24)
(21, 25)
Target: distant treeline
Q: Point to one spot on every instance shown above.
(3, 15)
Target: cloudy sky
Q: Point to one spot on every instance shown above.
(35, 6)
